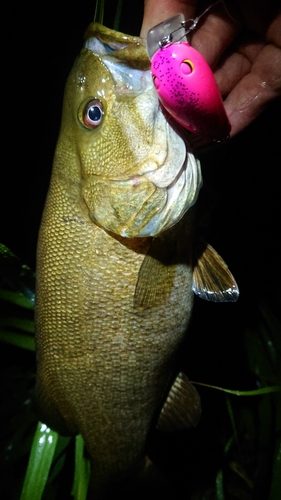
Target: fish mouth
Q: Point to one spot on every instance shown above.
(150, 187)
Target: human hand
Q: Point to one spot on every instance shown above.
(241, 41)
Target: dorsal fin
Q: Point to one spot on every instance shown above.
(212, 279)
(182, 408)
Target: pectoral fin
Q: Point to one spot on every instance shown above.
(156, 276)
(182, 408)
(212, 279)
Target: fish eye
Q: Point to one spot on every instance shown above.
(93, 114)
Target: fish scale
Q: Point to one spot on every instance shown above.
(115, 272)
(126, 367)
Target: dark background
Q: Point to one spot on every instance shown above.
(241, 178)
(39, 44)
(241, 187)
(40, 41)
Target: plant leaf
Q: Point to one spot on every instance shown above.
(17, 298)
(254, 392)
(82, 471)
(40, 460)
(26, 325)
(18, 339)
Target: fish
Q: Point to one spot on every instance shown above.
(115, 264)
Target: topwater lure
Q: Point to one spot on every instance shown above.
(184, 81)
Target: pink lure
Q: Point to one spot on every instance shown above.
(188, 91)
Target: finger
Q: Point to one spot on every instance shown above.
(215, 33)
(231, 71)
(157, 11)
(255, 90)
(236, 65)
(274, 31)
(255, 15)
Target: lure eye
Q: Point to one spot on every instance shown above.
(187, 66)
(93, 114)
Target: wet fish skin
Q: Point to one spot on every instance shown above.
(106, 381)
(114, 264)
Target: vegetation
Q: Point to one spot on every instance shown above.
(235, 451)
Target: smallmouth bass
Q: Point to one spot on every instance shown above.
(115, 265)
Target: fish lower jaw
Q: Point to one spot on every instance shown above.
(144, 205)
(181, 195)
